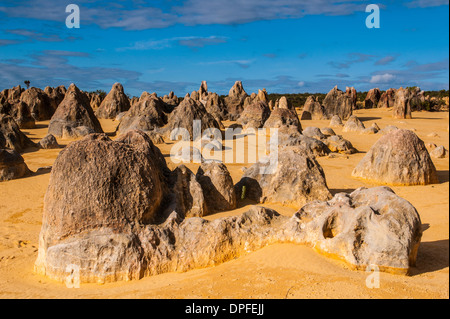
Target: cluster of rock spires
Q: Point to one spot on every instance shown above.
(116, 211)
(403, 101)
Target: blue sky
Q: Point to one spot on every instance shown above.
(285, 46)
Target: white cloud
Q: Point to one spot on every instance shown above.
(382, 78)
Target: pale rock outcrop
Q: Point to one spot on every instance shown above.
(353, 124)
(339, 103)
(186, 194)
(338, 144)
(314, 132)
(295, 178)
(283, 120)
(306, 144)
(146, 115)
(234, 102)
(336, 121)
(254, 115)
(402, 106)
(365, 228)
(439, 152)
(312, 110)
(397, 158)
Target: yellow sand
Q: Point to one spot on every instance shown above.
(277, 271)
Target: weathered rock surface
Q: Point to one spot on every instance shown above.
(114, 103)
(39, 104)
(254, 115)
(439, 152)
(365, 228)
(336, 121)
(397, 158)
(306, 144)
(11, 136)
(74, 111)
(312, 110)
(145, 115)
(22, 116)
(295, 179)
(387, 99)
(353, 124)
(12, 165)
(283, 120)
(186, 194)
(339, 103)
(217, 185)
(182, 119)
(402, 105)
(234, 102)
(372, 98)
(283, 103)
(48, 142)
(338, 144)
(314, 132)
(327, 131)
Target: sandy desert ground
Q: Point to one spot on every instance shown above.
(277, 271)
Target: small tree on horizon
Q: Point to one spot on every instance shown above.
(27, 83)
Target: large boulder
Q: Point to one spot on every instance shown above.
(397, 158)
(74, 111)
(99, 191)
(217, 186)
(372, 98)
(39, 104)
(284, 120)
(12, 165)
(293, 178)
(11, 136)
(114, 103)
(312, 110)
(402, 105)
(145, 115)
(254, 115)
(339, 103)
(387, 99)
(182, 118)
(353, 124)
